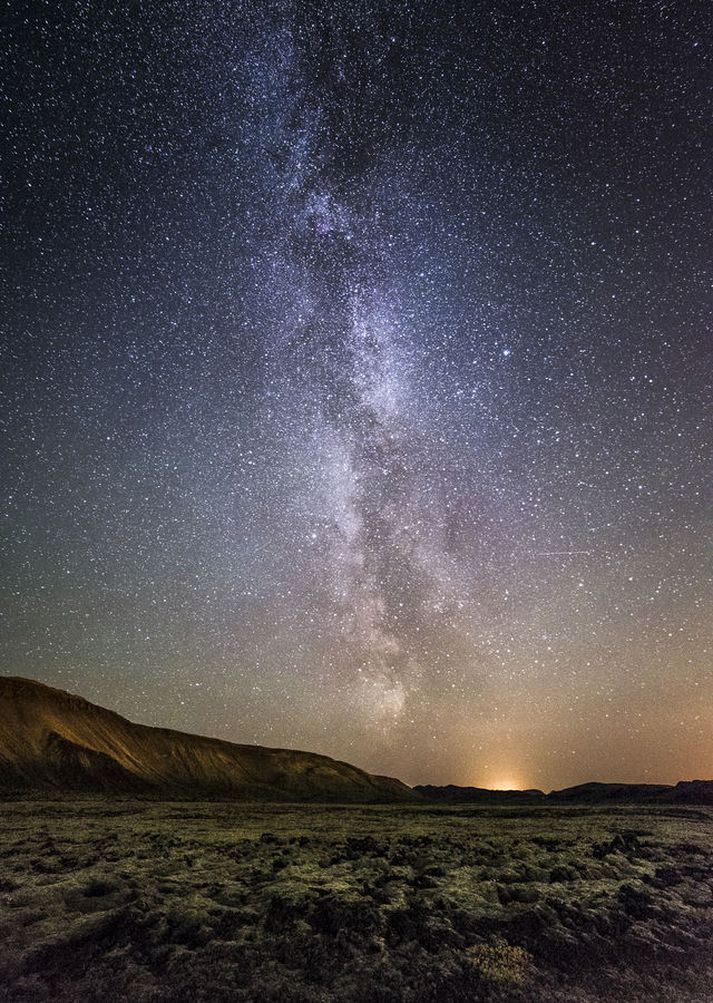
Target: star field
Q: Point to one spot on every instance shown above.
(358, 378)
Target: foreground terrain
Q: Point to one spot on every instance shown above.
(105, 899)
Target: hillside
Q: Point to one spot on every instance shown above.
(53, 740)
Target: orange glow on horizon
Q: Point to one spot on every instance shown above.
(502, 782)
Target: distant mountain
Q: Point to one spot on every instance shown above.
(597, 793)
(477, 795)
(685, 792)
(691, 792)
(51, 740)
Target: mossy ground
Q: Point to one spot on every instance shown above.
(129, 900)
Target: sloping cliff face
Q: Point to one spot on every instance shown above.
(53, 740)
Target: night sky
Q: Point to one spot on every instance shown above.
(357, 377)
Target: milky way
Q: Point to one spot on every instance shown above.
(357, 387)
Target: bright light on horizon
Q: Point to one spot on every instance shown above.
(503, 782)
